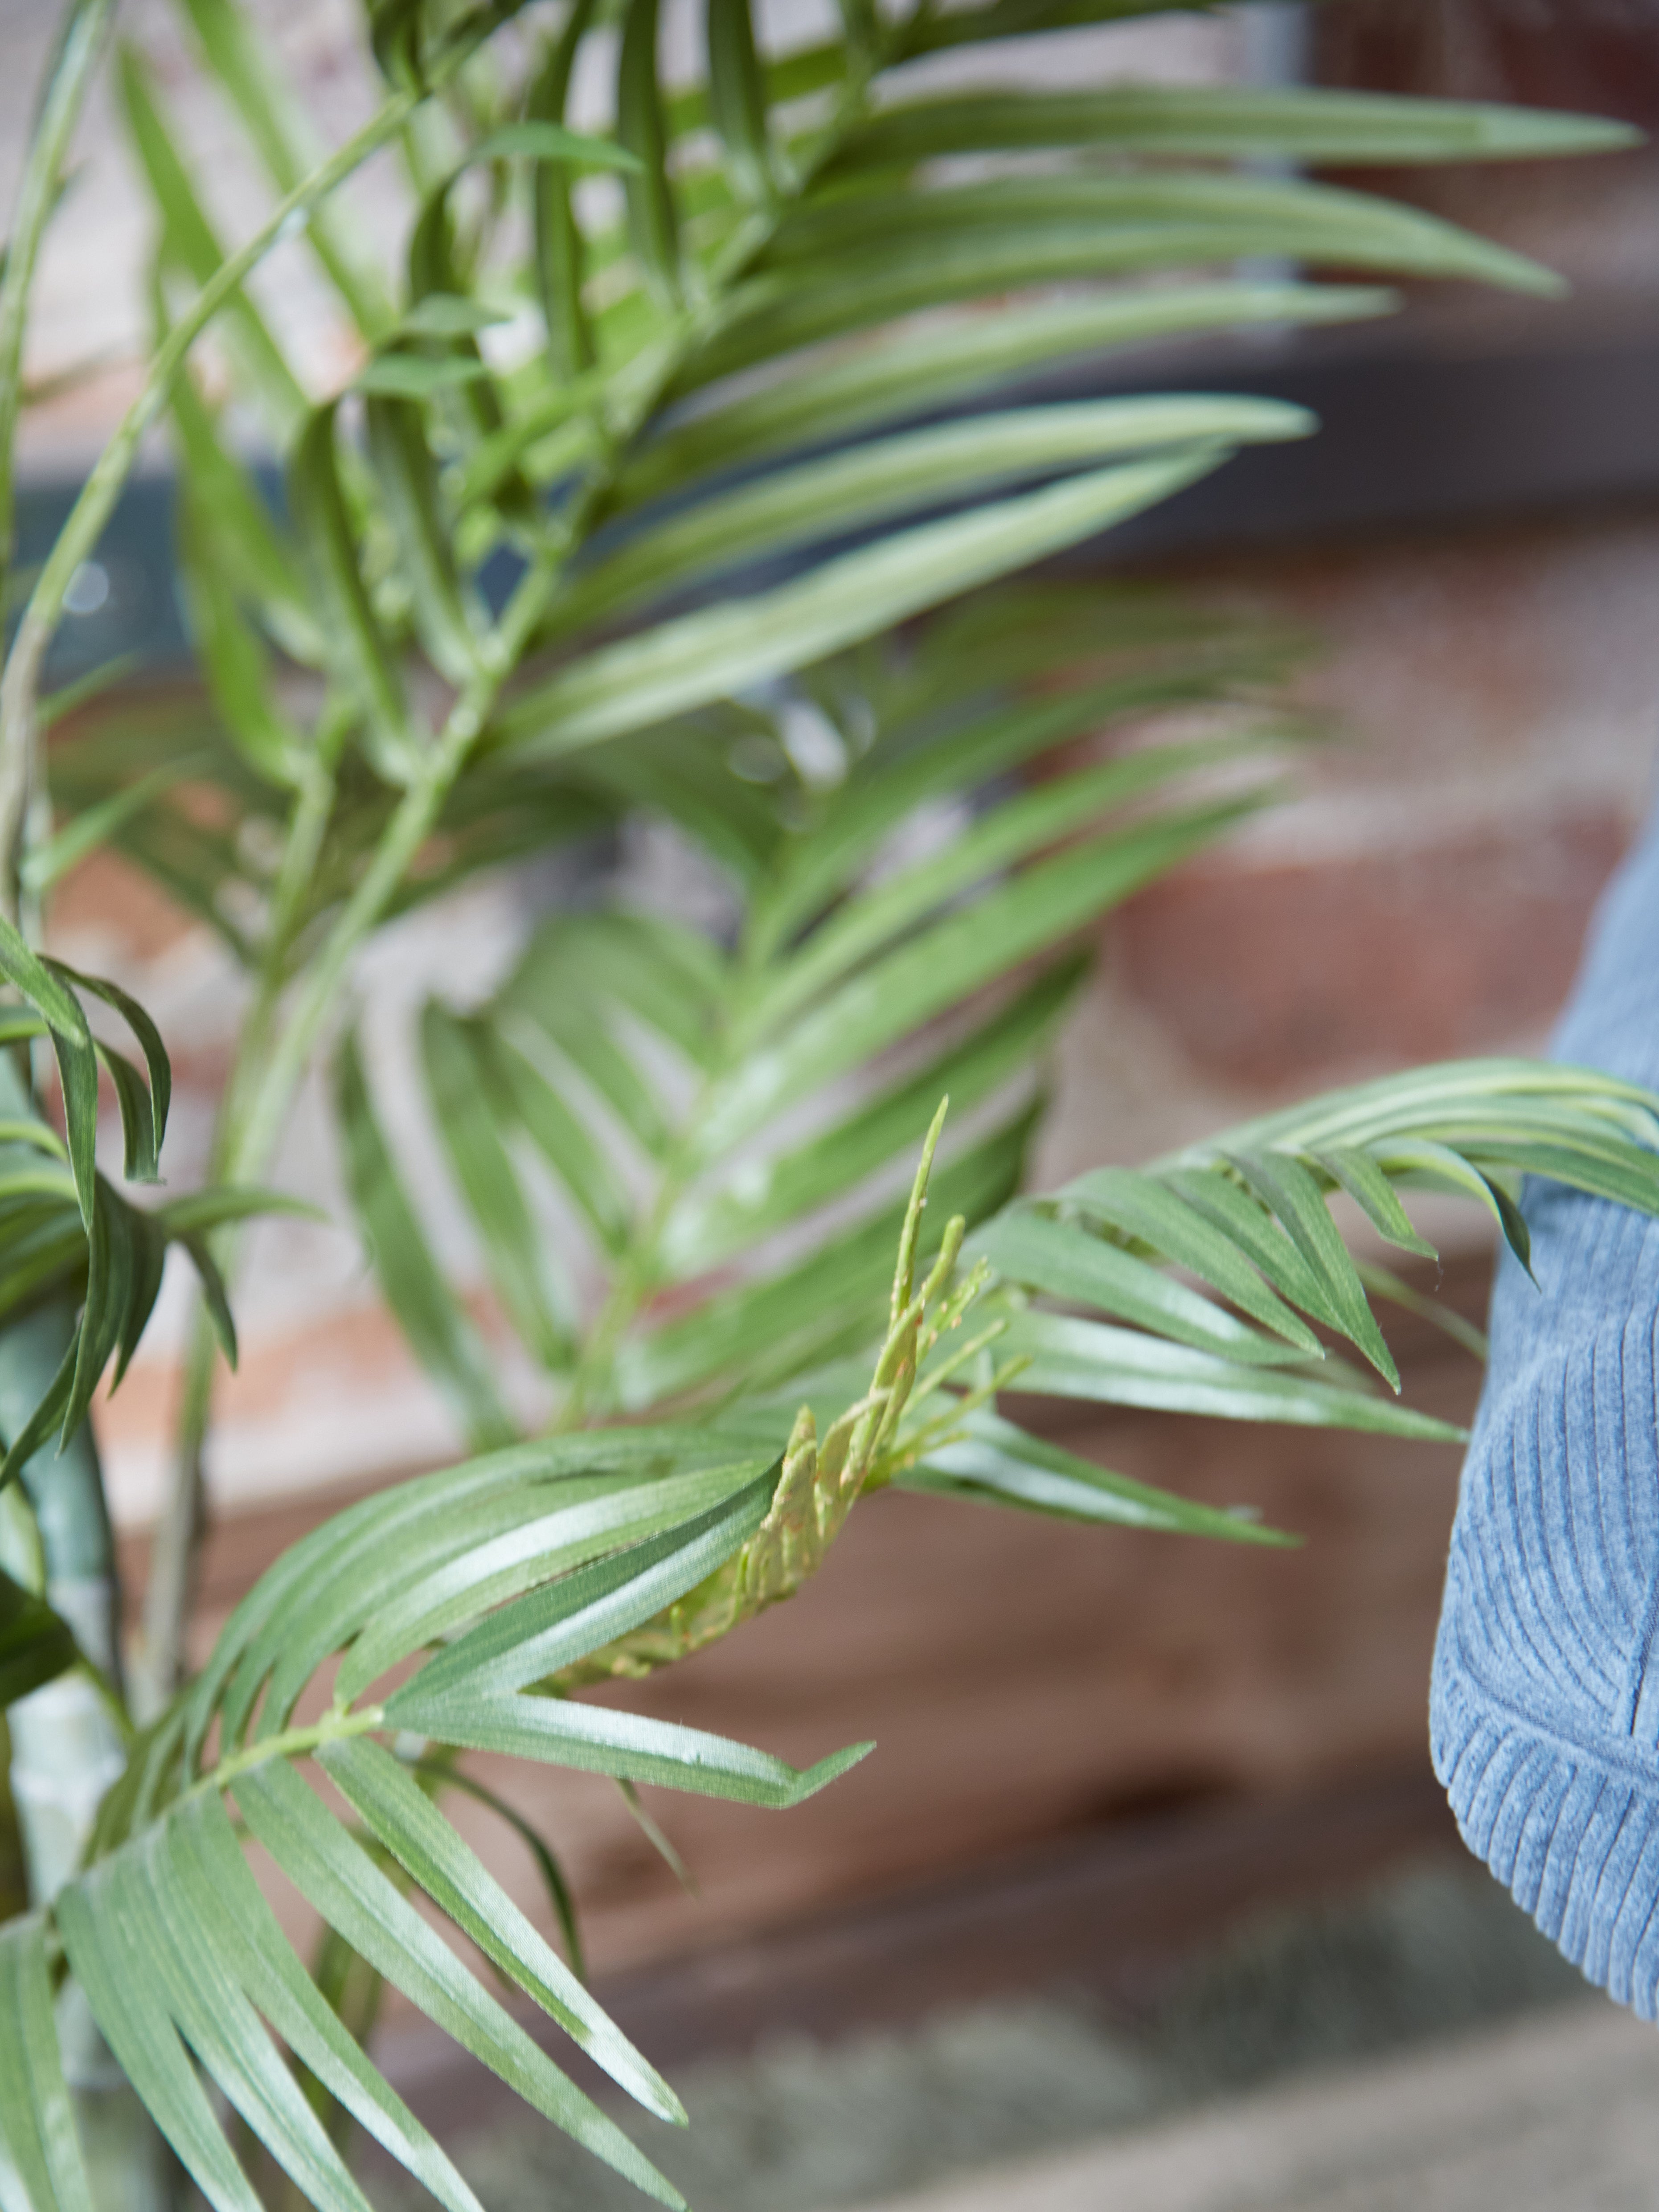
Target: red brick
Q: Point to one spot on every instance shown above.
(1280, 973)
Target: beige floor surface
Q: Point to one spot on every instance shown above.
(1559, 2114)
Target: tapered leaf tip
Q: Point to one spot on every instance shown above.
(904, 1274)
(814, 1778)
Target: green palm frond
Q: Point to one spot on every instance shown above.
(727, 1127)
(1090, 1310)
(1209, 1283)
(63, 1224)
(504, 1577)
(790, 249)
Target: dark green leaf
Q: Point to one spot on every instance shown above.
(77, 1063)
(36, 1646)
(440, 1333)
(408, 479)
(362, 655)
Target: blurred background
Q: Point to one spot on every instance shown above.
(1151, 1823)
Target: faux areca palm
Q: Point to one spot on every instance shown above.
(654, 468)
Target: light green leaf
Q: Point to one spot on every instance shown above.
(417, 375)
(449, 315)
(473, 1108)
(762, 1196)
(40, 2150)
(966, 757)
(439, 1580)
(1062, 1260)
(1143, 1209)
(406, 1821)
(521, 1092)
(244, 1932)
(232, 658)
(189, 238)
(871, 483)
(870, 259)
(696, 1523)
(407, 479)
(214, 2015)
(540, 140)
(1035, 821)
(736, 96)
(943, 964)
(1001, 1464)
(702, 656)
(553, 1881)
(120, 1961)
(279, 126)
(254, 559)
(910, 372)
(362, 655)
(344, 1885)
(1344, 129)
(1357, 1173)
(1281, 1182)
(594, 1740)
(1097, 1363)
(776, 1325)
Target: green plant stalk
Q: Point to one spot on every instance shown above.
(170, 1589)
(266, 1075)
(74, 57)
(80, 44)
(20, 686)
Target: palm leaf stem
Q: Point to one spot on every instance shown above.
(170, 1589)
(81, 42)
(75, 541)
(257, 1104)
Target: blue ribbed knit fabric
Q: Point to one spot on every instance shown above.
(1544, 1713)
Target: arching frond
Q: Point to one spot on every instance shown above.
(61, 1223)
(628, 475)
(796, 247)
(502, 1577)
(727, 1124)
